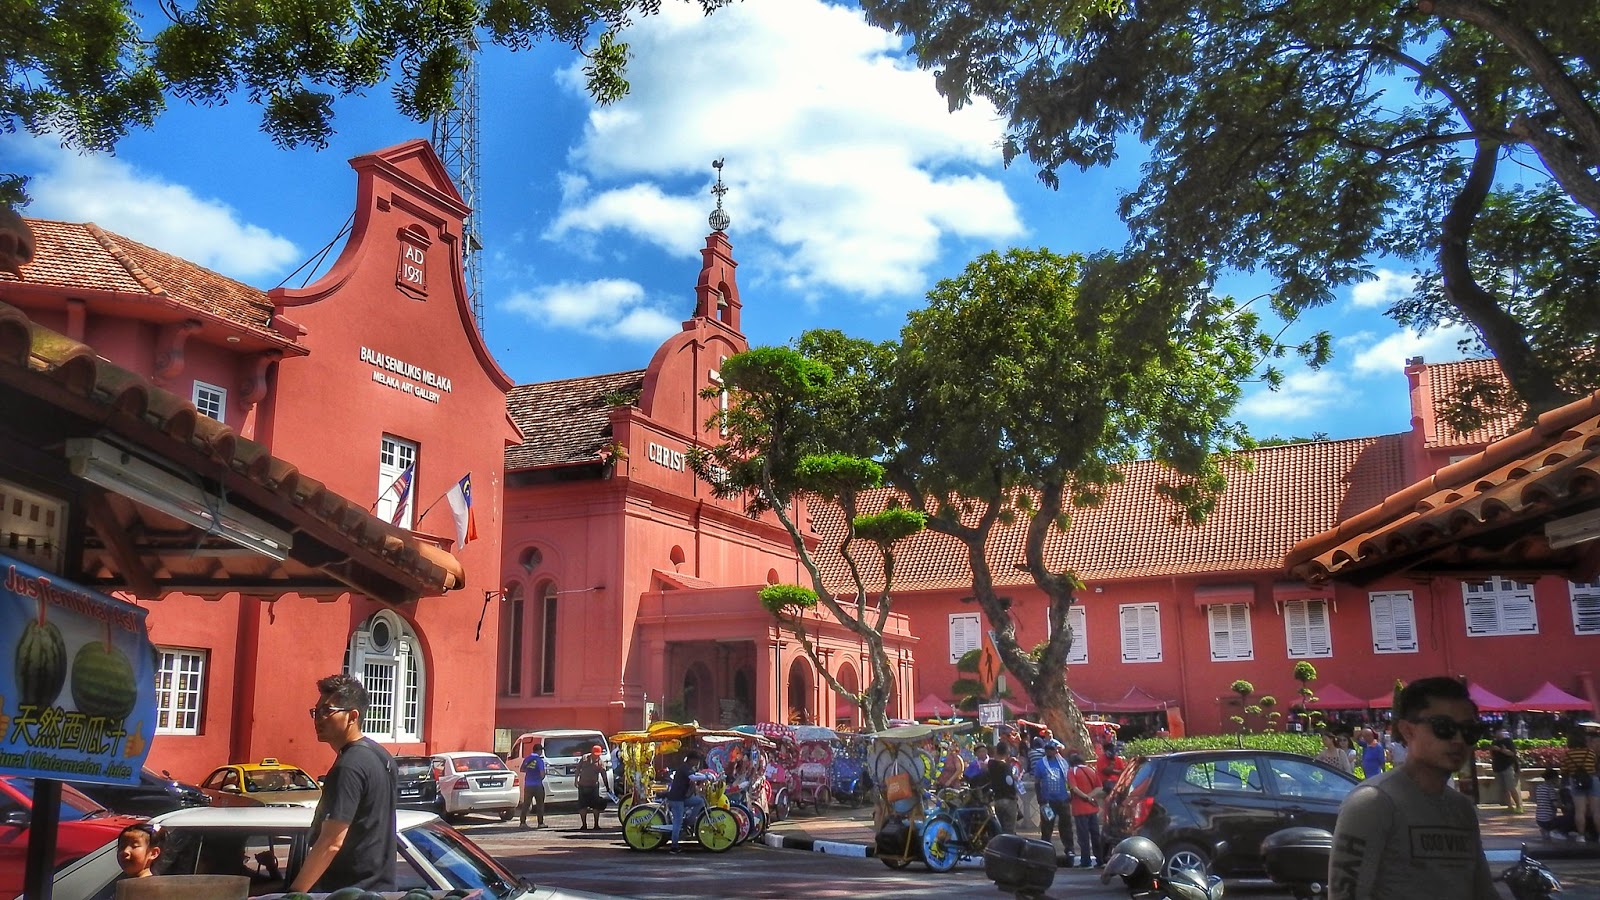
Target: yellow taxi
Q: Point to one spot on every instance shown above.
(267, 783)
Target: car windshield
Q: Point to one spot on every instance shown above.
(577, 745)
(460, 861)
(278, 780)
(479, 763)
(74, 805)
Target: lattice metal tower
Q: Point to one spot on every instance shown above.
(455, 138)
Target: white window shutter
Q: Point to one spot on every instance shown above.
(1150, 632)
(1294, 619)
(1078, 620)
(1319, 630)
(1517, 611)
(1585, 607)
(1403, 607)
(1221, 636)
(1132, 646)
(1239, 613)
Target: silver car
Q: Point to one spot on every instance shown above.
(470, 782)
(269, 843)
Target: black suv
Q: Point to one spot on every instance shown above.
(1210, 809)
(416, 783)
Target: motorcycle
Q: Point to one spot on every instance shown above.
(1140, 864)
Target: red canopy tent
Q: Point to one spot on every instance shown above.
(1487, 700)
(1549, 698)
(934, 706)
(1331, 696)
(1383, 702)
(1137, 699)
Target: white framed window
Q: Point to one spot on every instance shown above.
(1141, 632)
(211, 400)
(1308, 629)
(180, 686)
(1078, 621)
(383, 655)
(1230, 632)
(1585, 606)
(966, 634)
(1499, 606)
(1394, 622)
(397, 480)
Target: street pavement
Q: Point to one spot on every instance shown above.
(562, 856)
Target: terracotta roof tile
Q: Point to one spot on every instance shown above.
(565, 422)
(1442, 381)
(83, 255)
(1293, 491)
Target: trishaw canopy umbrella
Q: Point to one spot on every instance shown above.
(1549, 698)
(803, 733)
(917, 732)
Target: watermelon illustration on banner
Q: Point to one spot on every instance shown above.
(78, 701)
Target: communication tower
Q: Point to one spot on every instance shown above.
(455, 139)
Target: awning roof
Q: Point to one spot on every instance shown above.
(1483, 515)
(1331, 696)
(1549, 698)
(1487, 700)
(54, 389)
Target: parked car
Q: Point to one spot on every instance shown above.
(269, 843)
(156, 793)
(1210, 809)
(266, 783)
(475, 781)
(85, 827)
(563, 747)
(416, 783)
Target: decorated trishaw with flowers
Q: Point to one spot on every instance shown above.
(724, 815)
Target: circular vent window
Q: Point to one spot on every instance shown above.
(382, 634)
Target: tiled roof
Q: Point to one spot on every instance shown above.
(85, 256)
(566, 422)
(1293, 491)
(337, 542)
(1487, 511)
(1442, 381)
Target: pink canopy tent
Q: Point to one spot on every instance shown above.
(1549, 698)
(1331, 696)
(1137, 699)
(1383, 702)
(1487, 700)
(933, 706)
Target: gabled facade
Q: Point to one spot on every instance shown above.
(627, 582)
(377, 363)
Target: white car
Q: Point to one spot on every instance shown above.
(563, 747)
(269, 843)
(476, 781)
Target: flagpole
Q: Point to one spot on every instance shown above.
(385, 492)
(418, 523)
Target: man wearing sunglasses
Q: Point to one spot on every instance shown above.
(353, 833)
(1405, 833)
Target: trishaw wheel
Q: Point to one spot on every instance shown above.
(741, 817)
(624, 804)
(717, 830)
(940, 849)
(823, 799)
(780, 805)
(640, 828)
(895, 863)
(758, 822)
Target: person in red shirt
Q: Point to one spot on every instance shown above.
(1111, 765)
(1083, 782)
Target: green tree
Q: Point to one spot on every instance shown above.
(1304, 139)
(1305, 673)
(1026, 384)
(88, 71)
(791, 427)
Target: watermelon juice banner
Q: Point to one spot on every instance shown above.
(78, 687)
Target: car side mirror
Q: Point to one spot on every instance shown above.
(231, 788)
(18, 818)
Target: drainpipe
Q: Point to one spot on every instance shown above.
(1183, 663)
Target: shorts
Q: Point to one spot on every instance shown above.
(591, 798)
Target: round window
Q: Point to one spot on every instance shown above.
(382, 634)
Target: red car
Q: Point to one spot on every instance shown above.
(85, 827)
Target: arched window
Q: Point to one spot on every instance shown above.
(383, 653)
(544, 638)
(512, 629)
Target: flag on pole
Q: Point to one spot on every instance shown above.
(460, 498)
(404, 483)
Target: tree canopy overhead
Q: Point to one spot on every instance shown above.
(88, 71)
(1304, 138)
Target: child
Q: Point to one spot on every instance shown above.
(138, 848)
(1548, 813)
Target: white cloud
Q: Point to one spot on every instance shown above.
(121, 198)
(841, 156)
(1388, 356)
(1303, 396)
(607, 307)
(1382, 292)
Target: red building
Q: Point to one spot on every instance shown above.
(627, 582)
(375, 384)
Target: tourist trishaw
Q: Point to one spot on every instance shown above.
(717, 823)
(915, 819)
(813, 782)
(850, 783)
(778, 765)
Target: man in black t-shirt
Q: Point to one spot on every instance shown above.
(1002, 782)
(353, 833)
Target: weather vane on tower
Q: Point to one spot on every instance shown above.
(719, 218)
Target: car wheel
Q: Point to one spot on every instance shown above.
(1188, 856)
(505, 814)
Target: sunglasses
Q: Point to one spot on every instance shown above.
(1445, 728)
(322, 712)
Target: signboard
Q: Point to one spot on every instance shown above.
(78, 702)
(991, 713)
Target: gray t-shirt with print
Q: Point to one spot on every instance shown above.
(1395, 841)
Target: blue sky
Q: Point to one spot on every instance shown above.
(852, 190)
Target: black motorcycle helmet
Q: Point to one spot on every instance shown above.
(1531, 879)
(1137, 860)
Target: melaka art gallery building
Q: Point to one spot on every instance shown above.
(603, 582)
